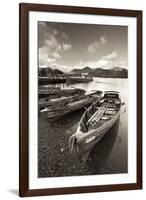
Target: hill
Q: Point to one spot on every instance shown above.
(84, 70)
(115, 72)
(46, 71)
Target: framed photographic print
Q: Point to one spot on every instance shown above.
(80, 99)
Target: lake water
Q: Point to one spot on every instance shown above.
(110, 155)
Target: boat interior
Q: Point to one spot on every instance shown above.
(100, 112)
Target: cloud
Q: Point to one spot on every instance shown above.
(55, 32)
(103, 40)
(97, 44)
(52, 43)
(66, 47)
(92, 64)
(51, 60)
(64, 37)
(56, 55)
(102, 62)
(110, 56)
(122, 64)
(107, 61)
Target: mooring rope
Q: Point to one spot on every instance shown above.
(72, 142)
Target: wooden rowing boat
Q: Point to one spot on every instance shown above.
(59, 101)
(71, 104)
(95, 123)
(58, 92)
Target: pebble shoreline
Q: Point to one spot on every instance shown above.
(55, 159)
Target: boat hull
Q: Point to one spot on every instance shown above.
(85, 143)
(57, 113)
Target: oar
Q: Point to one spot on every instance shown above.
(97, 113)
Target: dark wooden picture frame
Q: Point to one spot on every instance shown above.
(24, 9)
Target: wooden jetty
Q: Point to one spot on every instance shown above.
(78, 79)
(64, 79)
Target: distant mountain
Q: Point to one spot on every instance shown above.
(115, 72)
(117, 68)
(84, 70)
(57, 71)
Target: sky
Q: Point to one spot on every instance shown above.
(67, 46)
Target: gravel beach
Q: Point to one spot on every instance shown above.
(55, 159)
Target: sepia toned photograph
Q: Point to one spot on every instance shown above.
(82, 99)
